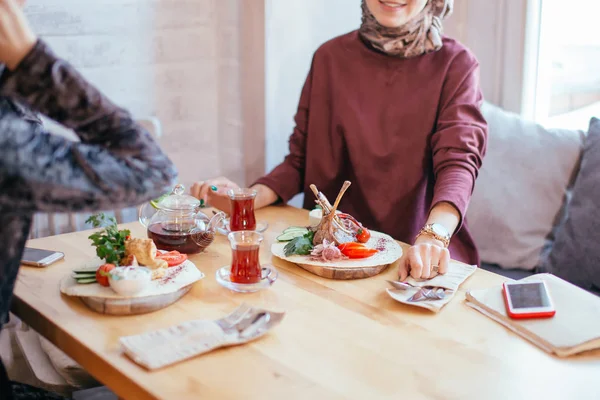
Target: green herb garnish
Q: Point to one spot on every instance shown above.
(109, 242)
(301, 245)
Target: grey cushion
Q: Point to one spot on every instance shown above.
(521, 187)
(575, 255)
(515, 274)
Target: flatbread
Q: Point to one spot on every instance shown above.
(389, 252)
(174, 279)
(145, 252)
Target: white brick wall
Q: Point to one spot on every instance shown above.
(178, 60)
(174, 59)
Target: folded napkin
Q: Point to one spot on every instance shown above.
(450, 281)
(164, 347)
(574, 328)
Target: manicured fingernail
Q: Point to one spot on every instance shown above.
(201, 202)
(213, 188)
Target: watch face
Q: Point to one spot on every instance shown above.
(439, 230)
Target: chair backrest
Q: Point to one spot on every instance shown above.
(152, 125)
(50, 224)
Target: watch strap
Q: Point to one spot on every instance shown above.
(429, 231)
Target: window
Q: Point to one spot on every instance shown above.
(567, 84)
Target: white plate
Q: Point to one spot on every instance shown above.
(175, 278)
(390, 252)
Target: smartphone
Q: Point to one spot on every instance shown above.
(528, 300)
(40, 258)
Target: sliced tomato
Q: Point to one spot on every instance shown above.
(173, 258)
(102, 274)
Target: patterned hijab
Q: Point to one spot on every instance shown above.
(420, 35)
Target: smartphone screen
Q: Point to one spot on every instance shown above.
(528, 295)
(40, 257)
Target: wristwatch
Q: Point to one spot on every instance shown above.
(437, 231)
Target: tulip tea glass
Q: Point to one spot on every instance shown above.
(242, 210)
(245, 274)
(242, 216)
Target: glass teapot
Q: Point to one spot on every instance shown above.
(175, 222)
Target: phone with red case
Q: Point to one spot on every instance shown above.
(528, 300)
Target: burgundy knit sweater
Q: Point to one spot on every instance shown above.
(408, 133)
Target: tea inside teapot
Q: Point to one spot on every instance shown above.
(174, 222)
(190, 242)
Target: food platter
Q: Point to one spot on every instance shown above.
(129, 275)
(389, 252)
(336, 245)
(161, 293)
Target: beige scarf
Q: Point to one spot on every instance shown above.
(420, 35)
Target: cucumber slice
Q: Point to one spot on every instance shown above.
(82, 276)
(84, 271)
(286, 237)
(86, 280)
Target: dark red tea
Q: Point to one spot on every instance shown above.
(245, 267)
(183, 242)
(242, 214)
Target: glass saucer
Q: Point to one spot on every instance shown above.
(269, 275)
(223, 228)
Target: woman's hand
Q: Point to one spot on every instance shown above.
(214, 192)
(421, 258)
(16, 37)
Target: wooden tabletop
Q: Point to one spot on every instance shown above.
(339, 339)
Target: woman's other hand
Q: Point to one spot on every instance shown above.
(421, 258)
(16, 37)
(213, 192)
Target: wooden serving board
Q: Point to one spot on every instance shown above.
(161, 293)
(342, 273)
(134, 305)
(389, 252)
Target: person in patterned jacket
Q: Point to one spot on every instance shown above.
(116, 163)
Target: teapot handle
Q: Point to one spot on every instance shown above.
(146, 213)
(216, 221)
(204, 237)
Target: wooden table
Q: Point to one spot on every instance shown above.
(339, 339)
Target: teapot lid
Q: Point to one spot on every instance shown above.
(177, 201)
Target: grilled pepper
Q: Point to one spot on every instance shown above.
(356, 250)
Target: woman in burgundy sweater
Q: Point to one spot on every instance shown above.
(395, 108)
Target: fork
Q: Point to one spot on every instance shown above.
(424, 292)
(406, 285)
(228, 322)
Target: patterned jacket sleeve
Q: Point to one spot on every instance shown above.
(116, 164)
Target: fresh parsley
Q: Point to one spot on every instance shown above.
(109, 242)
(301, 245)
